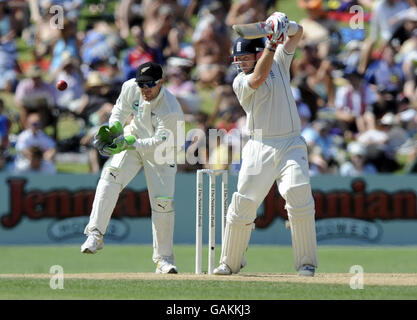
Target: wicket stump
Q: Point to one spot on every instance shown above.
(212, 215)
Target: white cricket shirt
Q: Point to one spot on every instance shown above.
(271, 107)
(153, 121)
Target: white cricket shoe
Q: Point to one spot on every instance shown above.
(307, 270)
(222, 270)
(164, 266)
(93, 243)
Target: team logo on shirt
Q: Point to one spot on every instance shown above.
(135, 106)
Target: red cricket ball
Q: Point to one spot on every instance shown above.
(61, 85)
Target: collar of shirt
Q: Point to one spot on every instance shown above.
(153, 103)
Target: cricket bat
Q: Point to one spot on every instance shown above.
(253, 30)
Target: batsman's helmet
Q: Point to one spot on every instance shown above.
(247, 46)
(243, 47)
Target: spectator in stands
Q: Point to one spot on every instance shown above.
(181, 85)
(128, 13)
(407, 23)
(387, 79)
(354, 103)
(246, 11)
(382, 142)
(382, 13)
(40, 35)
(8, 53)
(112, 75)
(380, 28)
(303, 109)
(99, 118)
(70, 72)
(357, 166)
(67, 42)
(32, 136)
(71, 7)
(34, 94)
(319, 29)
(159, 20)
(410, 71)
(211, 14)
(8, 70)
(320, 139)
(100, 43)
(4, 128)
(178, 40)
(137, 55)
(35, 162)
(7, 28)
(95, 97)
(212, 60)
(314, 74)
(351, 55)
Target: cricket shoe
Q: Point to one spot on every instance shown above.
(307, 270)
(243, 263)
(93, 243)
(222, 270)
(164, 266)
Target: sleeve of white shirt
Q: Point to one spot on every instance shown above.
(242, 88)
(121, 110)
(164, 128)
(283, 57)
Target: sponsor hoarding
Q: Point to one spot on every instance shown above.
(54, 209)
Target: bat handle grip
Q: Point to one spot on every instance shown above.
(268, 28)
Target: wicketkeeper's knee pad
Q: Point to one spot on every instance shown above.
(163, 218)
(162, 204)
(242, 210)
(300, 209)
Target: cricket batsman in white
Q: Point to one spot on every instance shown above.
(156, 113)
(263, 89)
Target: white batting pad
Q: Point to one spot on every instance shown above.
(235, 242)
(163, 236)
(300, 208)
(242, 210)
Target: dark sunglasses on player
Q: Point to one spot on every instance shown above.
(149, 84)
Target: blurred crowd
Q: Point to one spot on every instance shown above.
(354, 78)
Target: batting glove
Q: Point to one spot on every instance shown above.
(279, 24)
(120, 144)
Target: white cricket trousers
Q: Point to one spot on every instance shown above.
(280, 160)
(118, 171)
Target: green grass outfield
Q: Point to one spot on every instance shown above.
(127, 272)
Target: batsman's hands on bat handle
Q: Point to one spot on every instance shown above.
(121, 143)
(279, 23)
